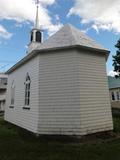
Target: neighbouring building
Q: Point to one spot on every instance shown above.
(114, 89)
(3, 88)
(60, 87)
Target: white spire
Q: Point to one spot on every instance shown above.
(37, 16)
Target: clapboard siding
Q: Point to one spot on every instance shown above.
(94, 94)
(69, 94)
(74, 97)
(59, 93)
(27, 119)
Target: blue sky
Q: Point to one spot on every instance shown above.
(89, 16)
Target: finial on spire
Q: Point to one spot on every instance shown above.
(37, 14)
(37, 2)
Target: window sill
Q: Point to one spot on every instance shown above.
(11, 106)
(27, 108)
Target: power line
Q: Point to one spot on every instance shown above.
(4, 61)
(4, 66)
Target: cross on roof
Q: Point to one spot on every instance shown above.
(37, 2)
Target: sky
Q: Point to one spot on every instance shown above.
(98, 19)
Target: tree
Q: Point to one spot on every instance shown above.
(116, 59)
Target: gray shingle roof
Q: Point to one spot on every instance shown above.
(113, 82)
(69, 36)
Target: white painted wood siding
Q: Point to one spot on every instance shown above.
(69, 94)
(95, 105)
(74, 97)
(27, 119)
(59, 93)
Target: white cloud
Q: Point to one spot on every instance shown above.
(47, 2)
(54, 28)
(112, 73)
(57, 17)
(4, 33)
(103, 14)
(19, 25)
(85, 30)
(24, 11)
(95, 28)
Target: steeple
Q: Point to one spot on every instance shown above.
(36, 33)
(37, 16)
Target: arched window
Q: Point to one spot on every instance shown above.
(27, 90)
(38, 36)
(31, 37)
(12, 93)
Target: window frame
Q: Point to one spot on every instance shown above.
(117, 96)
(27, 84)
(113, 95)
(12, 97)
(38, 36)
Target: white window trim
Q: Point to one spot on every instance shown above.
(115, 95)
(26, 90)
(12, 97)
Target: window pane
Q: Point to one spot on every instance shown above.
(27, 90)
(12, 93)
(31, 39)
(117, 94)
(28, 94)
(38, 36)
(113, 96)
(29, 86)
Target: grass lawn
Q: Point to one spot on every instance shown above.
(17, 144)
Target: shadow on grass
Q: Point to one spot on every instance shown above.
(19, 144)
(9, 129)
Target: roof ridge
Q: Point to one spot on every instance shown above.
(73, 34)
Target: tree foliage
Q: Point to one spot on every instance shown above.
(116, 59)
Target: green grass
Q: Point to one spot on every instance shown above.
(17, 144)
(117, 125)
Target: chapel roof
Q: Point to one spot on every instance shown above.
(67, 37)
